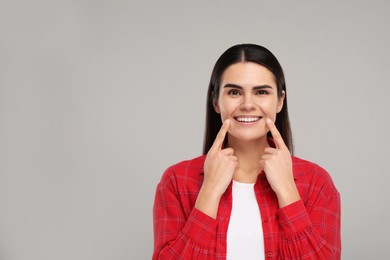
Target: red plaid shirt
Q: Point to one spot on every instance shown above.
(306, 229)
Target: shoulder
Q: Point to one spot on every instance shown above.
(184, 171)
(306, 168)
(188, 167)
(312, 175)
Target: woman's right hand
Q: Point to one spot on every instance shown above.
(219, 167)
(220, 164)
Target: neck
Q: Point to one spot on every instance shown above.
(248, 154)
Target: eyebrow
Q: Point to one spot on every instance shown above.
(230, 85)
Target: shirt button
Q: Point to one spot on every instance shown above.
(269, 254)
(265, 220)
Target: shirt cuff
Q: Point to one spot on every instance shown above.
(293, 218)
(201, 228)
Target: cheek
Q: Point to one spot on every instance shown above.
(224, 114)
(267, 105)
(225, 108)
(269, 108)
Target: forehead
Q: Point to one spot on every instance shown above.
(248, 74)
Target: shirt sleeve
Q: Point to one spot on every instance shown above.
(311, 230)
(175, 235)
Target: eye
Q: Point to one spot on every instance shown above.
(234, 92)
(262, 92)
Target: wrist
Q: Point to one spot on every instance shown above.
(208, 202)
(288, 195)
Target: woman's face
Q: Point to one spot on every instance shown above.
(248, 95)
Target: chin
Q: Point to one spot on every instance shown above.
(248, 138)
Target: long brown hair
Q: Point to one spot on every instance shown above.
(245, 53)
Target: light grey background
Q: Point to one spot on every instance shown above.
(98, 98)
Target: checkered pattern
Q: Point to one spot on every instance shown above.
(306, 229)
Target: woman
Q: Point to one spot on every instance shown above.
(248, 197)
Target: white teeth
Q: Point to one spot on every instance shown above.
(247, 119)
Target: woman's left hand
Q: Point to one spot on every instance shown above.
(277, 165)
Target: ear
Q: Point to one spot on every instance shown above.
(215, 103)
(281, 101)
(216, 107)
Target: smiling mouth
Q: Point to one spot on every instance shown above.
(247, 119)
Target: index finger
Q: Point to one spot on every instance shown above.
(278, 139)
(221, 135)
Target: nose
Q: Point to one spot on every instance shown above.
(247, 103)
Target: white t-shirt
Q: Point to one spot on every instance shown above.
(245, 238)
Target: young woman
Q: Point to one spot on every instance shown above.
(247, 197)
